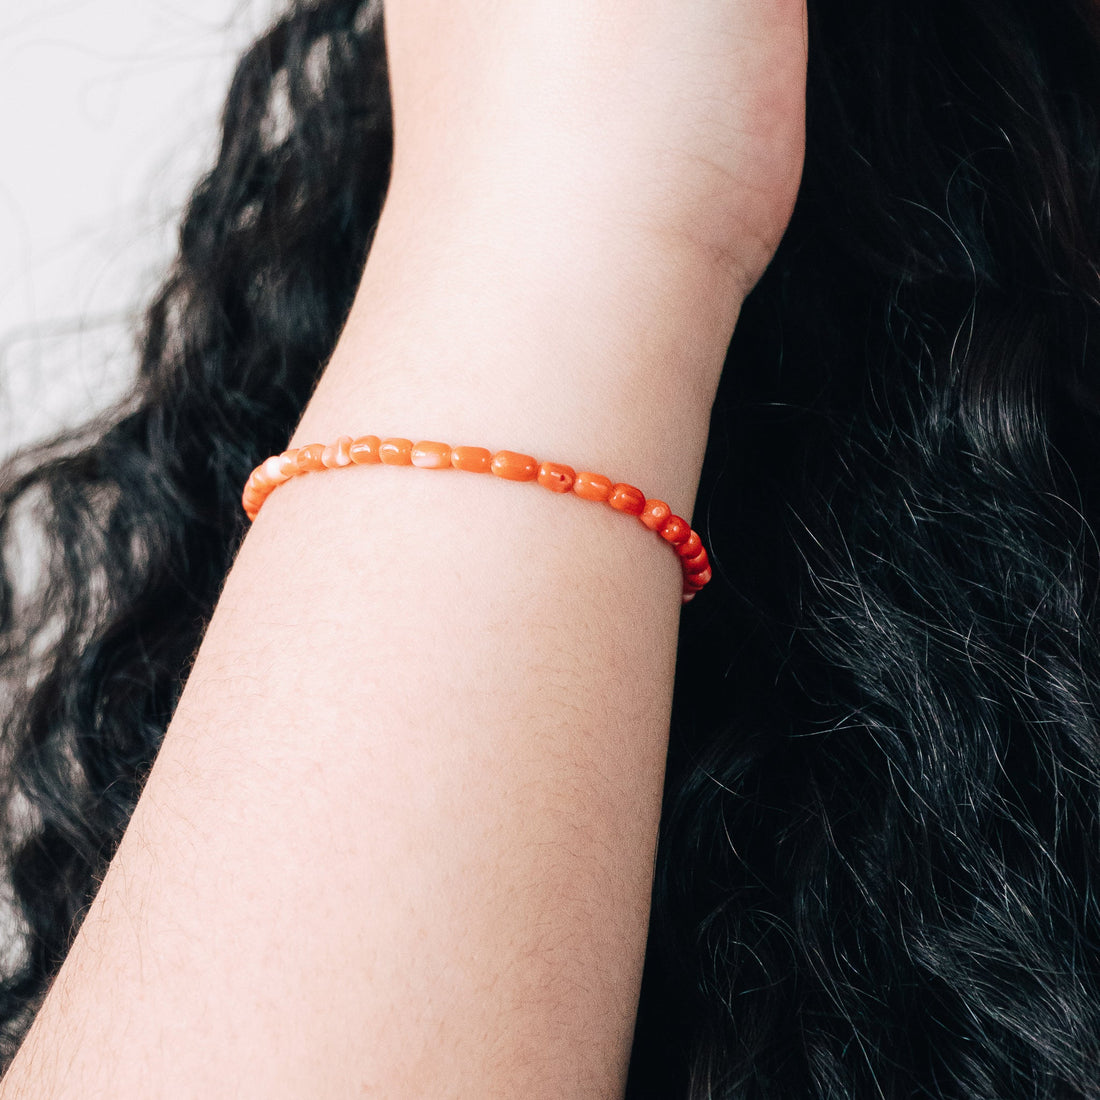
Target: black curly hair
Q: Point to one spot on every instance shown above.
(880, 845)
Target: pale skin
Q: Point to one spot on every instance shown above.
(399, 839)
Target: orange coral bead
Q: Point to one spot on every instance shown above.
(337, 454)
(592, 486)
(697, 563)
(675, 530)
(474, 460)
(288, 463)
(310, 457)
(396, 451)
(625, 498)
(364, 450)
(654, 514)
(264, 484)
(556, 477)
(692, 547)
(429, 455)
(272, 471)
(697, 580)
(513, 466)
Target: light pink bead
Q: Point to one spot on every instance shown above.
(430, 455)
(273, 470)
(337, 454)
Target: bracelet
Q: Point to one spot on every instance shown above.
(428, 455)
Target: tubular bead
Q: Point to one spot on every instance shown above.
(625, 498)
(396, 451)
(592, 486)
(675, 530)
(654, 514)
(556, 477)
(429, 455)
(364, 451)
(513, 466)
(692, 547)
(695, 564)
(474, 460)
(309, 457)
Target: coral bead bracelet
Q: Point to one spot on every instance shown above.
(370, 450)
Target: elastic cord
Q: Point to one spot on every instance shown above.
(370, 450)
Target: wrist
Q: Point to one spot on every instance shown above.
(556, 338)
(574, 271)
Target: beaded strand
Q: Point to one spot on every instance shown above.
(428, 455)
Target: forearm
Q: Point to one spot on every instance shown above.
(400, 833)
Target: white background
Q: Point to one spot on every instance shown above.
(108, 115)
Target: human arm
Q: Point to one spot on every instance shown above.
(400, 833)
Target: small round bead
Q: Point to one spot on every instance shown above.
(675, 530)
(288, 463)
(625, 498)
(697, 563)
(429, 455)
(692, 547)
(310, 457)
(687, 597)
(364, 450)
(474, 460)
(654, 514)
(396, 451)
(556, 477)
(513, 466)
(592, 486)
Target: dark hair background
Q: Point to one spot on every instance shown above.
(881, 843)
